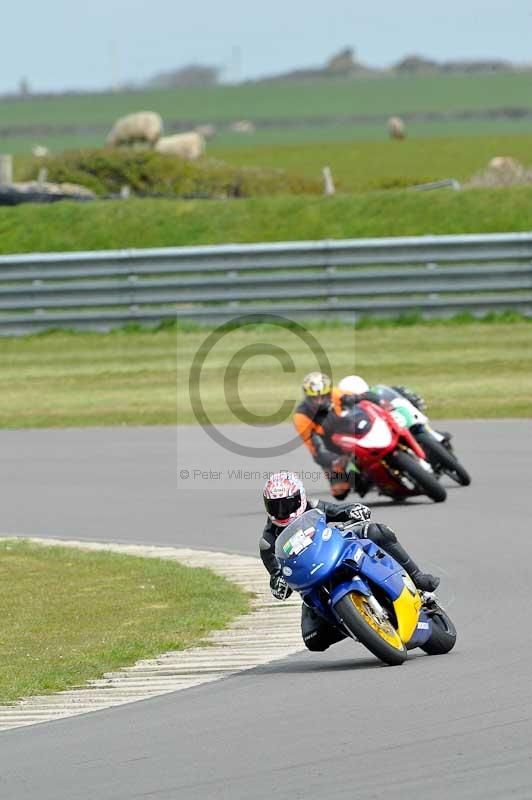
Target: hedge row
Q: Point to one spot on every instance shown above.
(106, 171)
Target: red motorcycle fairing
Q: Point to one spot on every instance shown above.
(374, 435)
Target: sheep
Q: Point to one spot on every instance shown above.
(144, 126)
(39, 151)
(243, 126)
(396, 128)
(502, 171)
(207, 131)
(190, 145)
(506, 165)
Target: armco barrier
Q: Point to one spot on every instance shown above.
(434, 275)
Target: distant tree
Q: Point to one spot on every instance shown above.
(342, 63)
(189, 75)
(477, 66)
(416, 65)
(419, 65)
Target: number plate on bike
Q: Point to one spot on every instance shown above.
(299, 541)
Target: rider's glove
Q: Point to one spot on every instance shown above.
(339, 465)
(373, 397)
(359, 512)
(414, 398)
(349, 400)
(326, 458)
(279, 587)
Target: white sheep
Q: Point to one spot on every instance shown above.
(396, 128)
(189, 145)
(507, 165)
(39, 151)
(243, 126)
(207, 131)
(144, 126)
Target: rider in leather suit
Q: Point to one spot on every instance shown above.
(285, 500)
(319, 397)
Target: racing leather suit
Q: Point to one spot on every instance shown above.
(308, 422)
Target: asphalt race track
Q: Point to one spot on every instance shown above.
(332, 725)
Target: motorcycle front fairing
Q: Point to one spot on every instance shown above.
(377, 566)
(401, 408)
(380, 569)
(408, 417)
(309, 551)
(422, 632)
(312, 553)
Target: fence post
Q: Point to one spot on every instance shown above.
(6, 170)
(328, 183)
(42, 177)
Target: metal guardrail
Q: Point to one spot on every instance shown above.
(434, 275)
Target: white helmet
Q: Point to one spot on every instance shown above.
(353, 384)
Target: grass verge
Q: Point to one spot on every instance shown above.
(361, 166)
(471, 369)
(69, 616)
(104, 225)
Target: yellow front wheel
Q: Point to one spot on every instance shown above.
(379, 636)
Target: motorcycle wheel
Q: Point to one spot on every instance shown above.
(443, 636)
(440, 457)
(379, 637)
(427, 482)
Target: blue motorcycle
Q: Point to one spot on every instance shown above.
(360, 589)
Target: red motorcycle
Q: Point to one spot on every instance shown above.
(386, 454)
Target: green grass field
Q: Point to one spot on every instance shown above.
(358, 166)
(69, 616)
(284, 100)
(158, 223)
(319, 100)
(463, 370)
(362, 166)
(322, 136)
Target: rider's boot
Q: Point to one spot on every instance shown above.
(362, 484)
(339, 480)
(423, 580)
(342, 494)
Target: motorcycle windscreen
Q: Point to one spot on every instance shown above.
(308, 550)
(353, 422)
(401, 409)
(385, 392)
(297, 536)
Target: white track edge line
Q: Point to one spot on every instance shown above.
(268, 632)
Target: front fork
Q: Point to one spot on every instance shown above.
(377, 609)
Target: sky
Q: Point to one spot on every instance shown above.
(58, 44)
